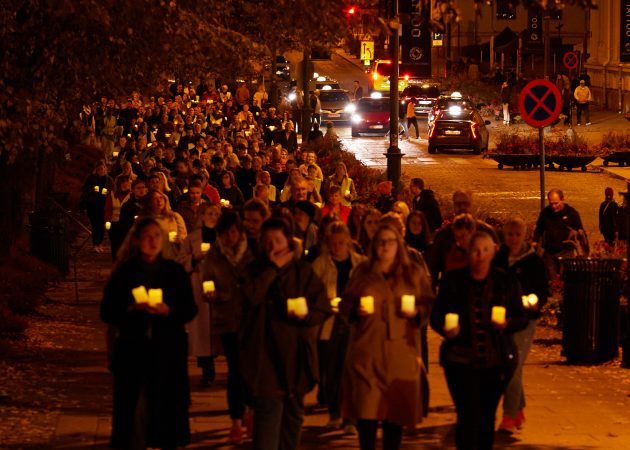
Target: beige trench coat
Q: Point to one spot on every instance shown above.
(381, 380)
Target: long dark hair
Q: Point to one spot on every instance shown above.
(130, 248)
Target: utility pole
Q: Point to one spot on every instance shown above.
(546, 42)
(393, 155)
(306, 104)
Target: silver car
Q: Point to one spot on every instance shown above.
(336, 105)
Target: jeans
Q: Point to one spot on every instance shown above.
(278, 422)
(583, 107)
(476, 393)
(235, 383)
(332, 357)
(412, 121)
(514, 396)
(392, 434)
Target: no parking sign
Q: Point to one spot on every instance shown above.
(540, 103)
(570, 60)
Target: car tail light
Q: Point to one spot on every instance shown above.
(473, 130)
(375, 75)
(431, 130)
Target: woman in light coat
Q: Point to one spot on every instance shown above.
(192, 257)
(381, 382)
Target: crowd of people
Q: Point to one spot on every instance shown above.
(228, 239)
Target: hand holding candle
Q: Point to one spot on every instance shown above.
(172, 236)
(408, 305)
(209, 290)
(297, 307)
(108, 225)
(334, 303)
(97, 188)
(451, 325)
(498, 316)
(155, 297)
(104, 191)
(205, 247)
(366, 305)
(140, 295)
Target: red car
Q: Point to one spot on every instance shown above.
(371, 117)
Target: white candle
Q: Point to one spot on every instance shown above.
(172, 235)
(208, 287)
(297, 306)
(205, 247)
(367, 303)
(140, 294)
(225, 202)
(498, 314)
(115, 154)
(155, 296)
(108, 225)
(185, 190)
(532, 299)
(334, 303)
(104, 191)
(451, 321)
(525, 300)
(96, 188)
(347, 193)
(408, 304)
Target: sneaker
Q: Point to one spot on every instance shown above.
(520, 419)
(508, 425)
(350, 429)
(236, 435)
(588, 123)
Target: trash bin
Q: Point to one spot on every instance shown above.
(592, 289)
(48, 237)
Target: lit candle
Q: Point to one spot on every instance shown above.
(532, 299)
(367, 303)
(334, 303)
(208, 287)
(451, 321)
(525, 300)
(172, 235)
(205, 247)
(498, 314)
(225, 202)
(185, 190)
(297, 306)
(115, 154)
(108, 225)
(347, 193)
(155, 296)
(104, 191)
(408, 304)
(140, 294)
(96, 188)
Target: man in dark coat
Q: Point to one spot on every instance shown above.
(608, 216)
(424, 200)
(288, 138)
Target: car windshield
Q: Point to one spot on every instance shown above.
(419, 92)
(454, 115)
(373, 105)
(328, 96)
(445, 103)
(321, 85)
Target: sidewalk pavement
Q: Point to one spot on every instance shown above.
(568, 407)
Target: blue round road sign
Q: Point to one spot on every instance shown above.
(540, 103)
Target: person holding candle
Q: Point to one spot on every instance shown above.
(278, 346)
(517, 256)
(334, 266)
(478, 354)
(335, 206)
(93, 200)
(346, 186)
(192, 257)
(113, 204)
(225, 265)
(149, 354)
(156, 206)
(229, 190)
(381, 381)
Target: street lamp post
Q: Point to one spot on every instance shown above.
(393, 155)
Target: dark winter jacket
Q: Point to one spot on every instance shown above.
(554, 228)
(428, 204)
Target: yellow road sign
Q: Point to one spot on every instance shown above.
(367, 50)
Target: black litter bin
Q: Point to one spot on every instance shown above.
(48, 237)
(591, 309)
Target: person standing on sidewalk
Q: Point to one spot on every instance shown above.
(149, 354)
(357, 92)
(583, 97)
(518, 257)
(506, 93)
(608, 216)
(278, 338)
(410, 119)
(478, 353)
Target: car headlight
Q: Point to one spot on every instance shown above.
(356, 118)
(350, 108)
(292, 96)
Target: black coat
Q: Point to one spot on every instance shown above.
(554, 228)
(531, 273)
(454, 297)
(427, 203)
(150, 352)
(278, 353)
(608, 219)
(290, 142)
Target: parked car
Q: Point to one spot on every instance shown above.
(458, 127)
(336, 105)
(371, 116)
(324, 84)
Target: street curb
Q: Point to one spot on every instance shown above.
(612, 174)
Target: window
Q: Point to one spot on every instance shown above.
(506, 9)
